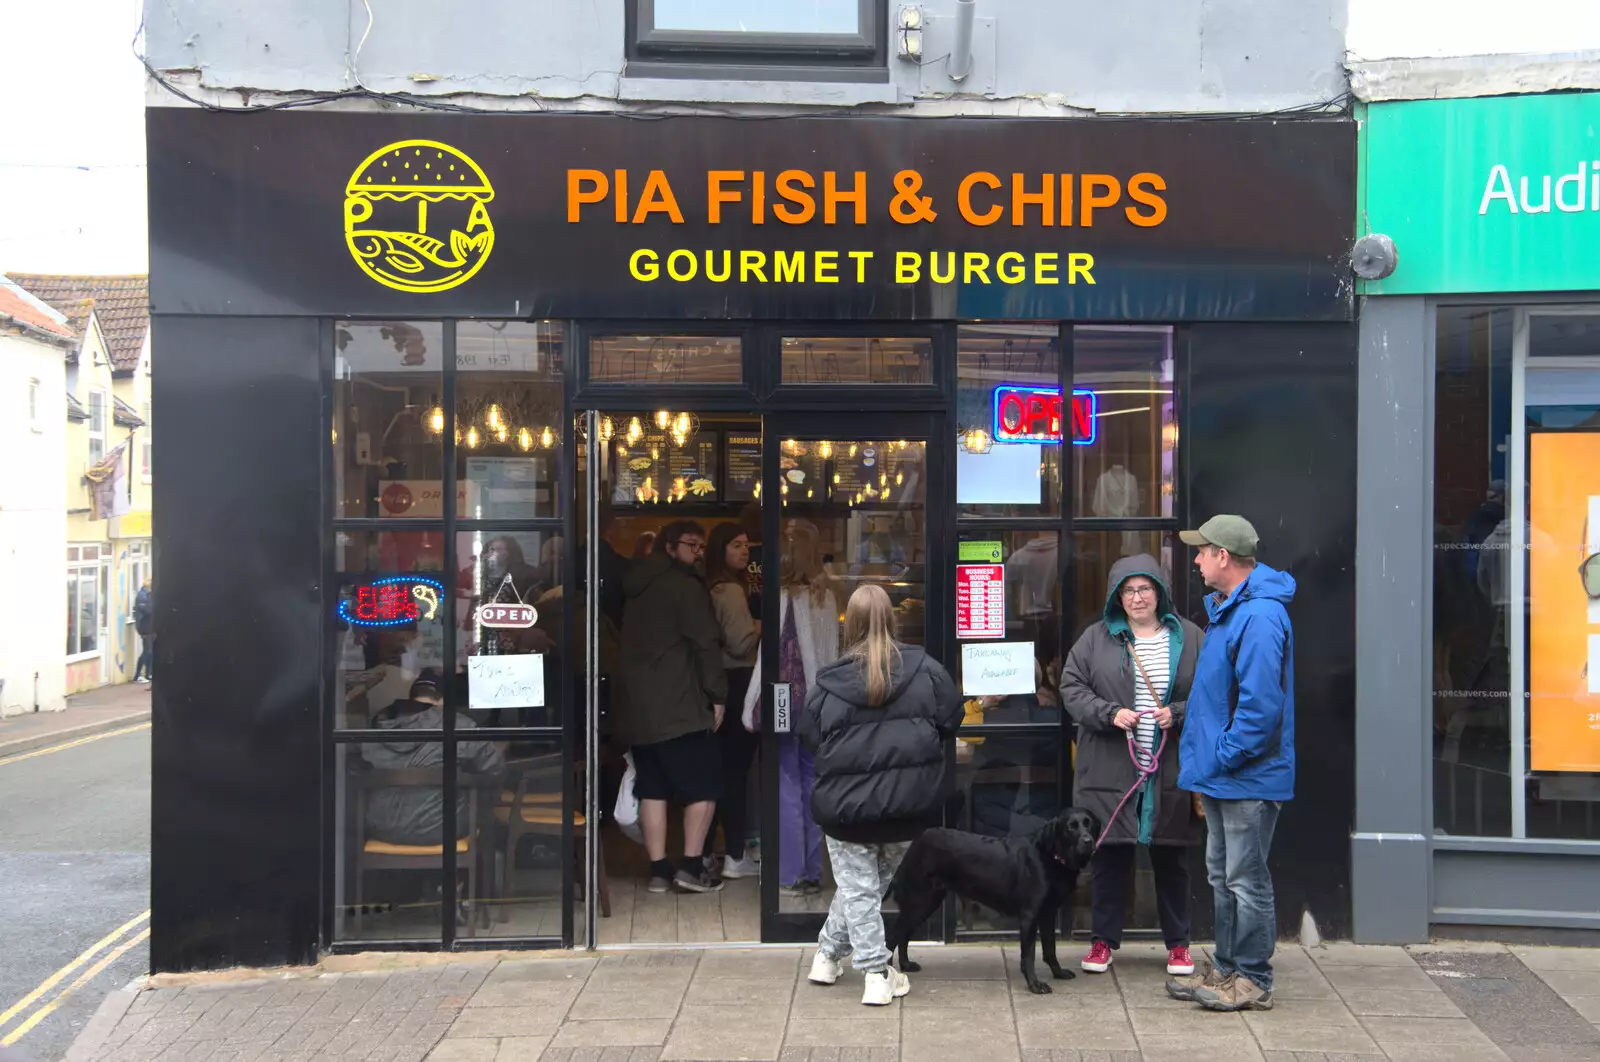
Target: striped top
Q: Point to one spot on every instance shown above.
(1153, 653)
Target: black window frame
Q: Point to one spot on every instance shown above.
(722, 55)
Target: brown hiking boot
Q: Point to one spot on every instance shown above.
(1237, 992)
(1183, 988)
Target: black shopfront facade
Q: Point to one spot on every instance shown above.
(415, 365)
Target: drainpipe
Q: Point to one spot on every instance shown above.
(961, 54)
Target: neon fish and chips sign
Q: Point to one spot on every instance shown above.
(1034, 414)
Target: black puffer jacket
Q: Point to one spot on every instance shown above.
(880, 771)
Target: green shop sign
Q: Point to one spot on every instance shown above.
(1487, 195)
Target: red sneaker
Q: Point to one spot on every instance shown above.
(1099, 958)
(1179, 962)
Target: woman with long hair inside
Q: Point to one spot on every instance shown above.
(728, 574)
(881, 703)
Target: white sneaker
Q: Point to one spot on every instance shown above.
(740, 868)
(884, 987)
(824, 971)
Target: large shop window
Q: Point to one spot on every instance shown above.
(448, 648)
(1516, 573)
(84, 575)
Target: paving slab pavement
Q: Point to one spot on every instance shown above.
(87, 714)
(1335, 1003)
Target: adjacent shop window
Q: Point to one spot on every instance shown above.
(388, 422)
(1128, 465)
(1015, 469)
(840, 39)
(1516, 610)
(97, 427)
(389, 623)
(857, 360)
(84, 573)
(665, 359)
(509, 605)
(389, 836)
(508, 425)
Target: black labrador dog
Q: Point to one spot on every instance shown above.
(1028, 878)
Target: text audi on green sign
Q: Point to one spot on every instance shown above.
(1487, 195)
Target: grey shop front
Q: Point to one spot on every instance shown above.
(416, 365)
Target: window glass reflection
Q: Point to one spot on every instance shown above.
(1130, 467)
(1004, 478)
(1094, 554)
(509, 605)
(1032, 561)
(857, 360)
(665, 359)
(388, 620)
(1008, 784)
(508, 427)
(387, 457)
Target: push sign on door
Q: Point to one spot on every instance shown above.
(780, 708)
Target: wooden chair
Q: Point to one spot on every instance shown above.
(537, 800)
(375, 855)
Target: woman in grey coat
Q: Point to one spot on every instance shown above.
(1125, 684)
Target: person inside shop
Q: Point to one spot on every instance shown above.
(727, 572)
(675, 690)
(1125, 684)
(414, 815)
(880, 551)
(144, 617)
(808, 641)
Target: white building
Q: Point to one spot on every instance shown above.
(34, 342)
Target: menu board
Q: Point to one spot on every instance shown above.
(872, 465)
(655, 469)
(804, 476)
(742, 462)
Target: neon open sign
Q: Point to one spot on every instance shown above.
(1034, 414)
(392, 602)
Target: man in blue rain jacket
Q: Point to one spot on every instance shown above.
(1237, 752)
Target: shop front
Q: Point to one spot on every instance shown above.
(1479, 705)
(433, 384)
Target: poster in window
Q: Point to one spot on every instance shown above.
(1564, 601)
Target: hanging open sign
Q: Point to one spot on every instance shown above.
(513, 617)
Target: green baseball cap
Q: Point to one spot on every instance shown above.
(1232, 533)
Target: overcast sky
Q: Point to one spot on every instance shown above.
(72, 179)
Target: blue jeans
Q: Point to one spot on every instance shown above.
(1238, 838)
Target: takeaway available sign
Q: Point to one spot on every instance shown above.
(1486, 195)
(823, 218)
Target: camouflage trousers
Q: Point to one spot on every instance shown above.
(862, 874)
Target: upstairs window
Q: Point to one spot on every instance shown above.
(97, 426)
(819, 40)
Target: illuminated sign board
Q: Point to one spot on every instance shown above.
(392, 602)
(1033, 414)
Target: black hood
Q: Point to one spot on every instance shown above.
(846, 679)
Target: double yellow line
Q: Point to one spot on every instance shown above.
(73, 744)
(107, 950)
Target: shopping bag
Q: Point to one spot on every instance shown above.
(626, 813)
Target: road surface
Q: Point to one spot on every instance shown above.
(75, 863)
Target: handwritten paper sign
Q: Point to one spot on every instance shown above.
(505, 681)
(997, 669)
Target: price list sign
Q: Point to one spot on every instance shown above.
(980, 601)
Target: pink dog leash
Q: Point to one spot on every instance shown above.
(1143, 770)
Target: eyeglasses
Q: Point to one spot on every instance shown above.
(1138, 591)
(693, 544)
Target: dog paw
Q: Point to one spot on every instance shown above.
(910, 967)
(1039, 988)
(1064, 974)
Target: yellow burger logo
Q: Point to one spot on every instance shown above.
(403, 194)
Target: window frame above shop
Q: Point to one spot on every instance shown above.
(653, 52)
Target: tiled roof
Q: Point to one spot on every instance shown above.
(75, 410)
(122, 303)
(124, 414)
(20, 309)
